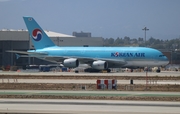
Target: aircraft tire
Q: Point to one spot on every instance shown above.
(108, 70)
(158, 70)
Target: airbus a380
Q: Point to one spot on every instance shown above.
(99, 58)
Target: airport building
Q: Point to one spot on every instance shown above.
(20, 40)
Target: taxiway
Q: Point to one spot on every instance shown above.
(87, 106)
(162, 73)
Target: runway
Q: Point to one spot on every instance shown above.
(87, 106)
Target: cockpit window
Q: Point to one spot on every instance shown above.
(161, 55)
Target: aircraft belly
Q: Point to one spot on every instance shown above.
(115, 64)
(142, 63)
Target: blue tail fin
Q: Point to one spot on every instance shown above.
(38, 36)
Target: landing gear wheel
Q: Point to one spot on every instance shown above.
(108, 70)
(158, 70)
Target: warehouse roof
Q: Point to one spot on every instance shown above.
(55, 34)
(49, 33)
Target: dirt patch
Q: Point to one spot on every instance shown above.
(90, 87)
(89, 77)
(93, 97)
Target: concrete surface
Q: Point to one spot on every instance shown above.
(87, 106)
(4, 80)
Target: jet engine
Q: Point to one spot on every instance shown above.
(72, 62)
(100, 65)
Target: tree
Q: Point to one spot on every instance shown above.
(117, 41)
(126, 40)
(111, 41)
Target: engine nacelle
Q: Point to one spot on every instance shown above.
(72, 63)
(100, 65)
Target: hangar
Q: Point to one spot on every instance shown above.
(20, 40)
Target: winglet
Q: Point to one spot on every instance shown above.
(38, 36)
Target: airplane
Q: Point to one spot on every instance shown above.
(99, 58)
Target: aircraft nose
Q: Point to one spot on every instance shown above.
(166, 61)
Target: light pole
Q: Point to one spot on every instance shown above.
(171, 56)
(145, 29)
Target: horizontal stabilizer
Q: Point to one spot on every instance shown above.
(17, 56)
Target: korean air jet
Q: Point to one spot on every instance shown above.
(99, 58)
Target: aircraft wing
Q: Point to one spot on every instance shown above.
(27, 53)
(84, 60)
(111, 62)
(59, 59)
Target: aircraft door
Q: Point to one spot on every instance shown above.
(65, 51)
(83, 51)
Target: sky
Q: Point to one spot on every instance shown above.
(103, 18)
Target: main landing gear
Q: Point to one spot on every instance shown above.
(96, 70)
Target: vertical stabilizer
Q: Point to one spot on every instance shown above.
(38, 37)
